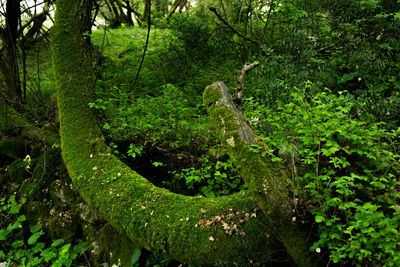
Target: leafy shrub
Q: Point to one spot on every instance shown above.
(344, 170)
(15, 249)
(213, 179)
(165, 120)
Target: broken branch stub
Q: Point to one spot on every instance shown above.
(240, 79)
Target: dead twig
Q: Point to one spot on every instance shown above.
(240, 79)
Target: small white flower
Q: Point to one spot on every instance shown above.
(294, 219)
(91, 155)
(119, 174)
(254, 120)
(211, 238)
(318, 250)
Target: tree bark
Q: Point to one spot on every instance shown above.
(8, 62)
(147, 10)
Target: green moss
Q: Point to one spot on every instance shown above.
(63, 224)
(14, 148)
(154, 218)
(22, 127)
(62, 194)
(211, 95)
(115, 248)
(29, 190)
(17, 171)
(46, 169)
(266, 180)
(35, 212)
(2, 179)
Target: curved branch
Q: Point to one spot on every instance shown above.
(214, 10)
(147, 41)
(176, 226)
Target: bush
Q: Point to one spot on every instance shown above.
(343, 170)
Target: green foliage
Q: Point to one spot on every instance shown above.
(213, 179)
(344, 170)
(165, 120)
(15, 249)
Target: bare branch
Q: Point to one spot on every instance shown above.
(240, 79)
(214, 10)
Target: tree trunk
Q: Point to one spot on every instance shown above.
(265, 179)
(9, 64)
(189, 229)
(147, 9)
(161, 6)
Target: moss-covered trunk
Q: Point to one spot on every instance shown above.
(266, 180)
(189, 229)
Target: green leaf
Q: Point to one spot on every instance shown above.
(15, 209)
(136, 255)
(33, 239)
(17, 244)
(57, 242)
(37, 248)
(319, 218)
(64, 249)
(35, 228)
(235, 38)
(48, 254)
(3, 234)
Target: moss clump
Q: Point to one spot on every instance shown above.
(35, 212)
(17, 171)
(115, 248)
(63, 224)
(13, 148)
(46, 169)
(62, 194)
(29, 190)
(2, 179)
(211, 95)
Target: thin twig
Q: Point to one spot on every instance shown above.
(214, 10)
(145, 47)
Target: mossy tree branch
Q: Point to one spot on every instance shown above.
(189, 229)
(266, 180)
